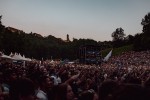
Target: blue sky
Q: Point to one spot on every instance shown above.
(94, 19)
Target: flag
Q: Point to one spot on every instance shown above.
(108, 56)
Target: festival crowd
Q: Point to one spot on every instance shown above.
(123, 77)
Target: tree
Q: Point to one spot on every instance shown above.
(0, 20)
(2, 28)
(146, 24)
(129, 39)
(118, 34)
(145, 40)
(118, 37)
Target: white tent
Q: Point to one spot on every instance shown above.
(28, 59)
(5, 56)
(52, 61)
(19, 57)
(11, 54)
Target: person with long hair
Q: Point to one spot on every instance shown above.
(22, 89)
(64, 92)
(88, 95)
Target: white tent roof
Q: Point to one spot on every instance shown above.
(19, 57)
(5, 56)
(15, 56)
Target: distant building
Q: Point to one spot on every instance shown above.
(67, 40)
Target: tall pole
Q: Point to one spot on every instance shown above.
(85, 55)
(51, 57)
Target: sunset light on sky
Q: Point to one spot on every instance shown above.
(94, 19)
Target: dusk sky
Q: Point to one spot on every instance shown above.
(94, 19)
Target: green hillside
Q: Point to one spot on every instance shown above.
(117, 51)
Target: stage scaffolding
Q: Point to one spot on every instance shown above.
(90, 54)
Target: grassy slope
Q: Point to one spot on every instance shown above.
(117, 51)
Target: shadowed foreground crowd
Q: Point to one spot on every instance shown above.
(123, 77)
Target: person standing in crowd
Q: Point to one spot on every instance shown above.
(64, 92)
(22, 89)
(88, 95)
(46, 83)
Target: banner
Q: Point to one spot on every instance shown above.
(108, 56)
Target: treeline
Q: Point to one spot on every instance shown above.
(34, 45)
(140, 41)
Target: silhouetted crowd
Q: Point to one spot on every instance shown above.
(123, 77)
